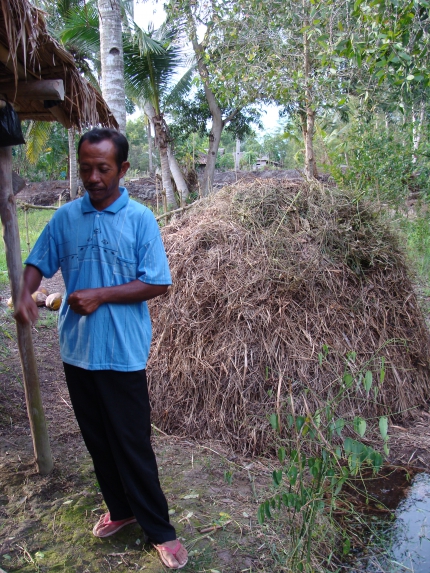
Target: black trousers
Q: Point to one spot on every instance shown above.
(113, 412)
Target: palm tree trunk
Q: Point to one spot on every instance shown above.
(73, 167)
(161, 141)
(150, 163)
(178, 178)
(112, 60)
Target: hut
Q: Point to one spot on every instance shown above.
(41, 82)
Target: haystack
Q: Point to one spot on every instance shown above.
(279, 287)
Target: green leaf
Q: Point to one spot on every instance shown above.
(339, 425)
(292, 474)
(267, 509)
(274, 422)
(383, 426)
(277, 477)
(261, 514)
(368, 379)
(346, 546)
(386, 449)
(360, 425)
(347, 445)
(282, 454)
(348, 380)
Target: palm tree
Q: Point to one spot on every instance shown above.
(149, 75)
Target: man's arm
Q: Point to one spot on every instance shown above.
(87, 301)
(26, 309)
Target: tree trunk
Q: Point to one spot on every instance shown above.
(112, 61)
(308, 138)
(178, 178)
(308, 123)
(214, 141)
(42, 450)
(150, 163)
(237, 155)
(73, 166)
(161, 140)
(218, 123)
(417, 129)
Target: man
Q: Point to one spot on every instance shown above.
(112, 259)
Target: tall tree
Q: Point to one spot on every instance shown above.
(112, 58)
(191, 16)
(149, 73)
(280, 51)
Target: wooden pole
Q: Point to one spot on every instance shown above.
(33, 399)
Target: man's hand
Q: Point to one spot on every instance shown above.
(26, 309)
(85, 301)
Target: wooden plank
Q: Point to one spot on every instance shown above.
(36, 415)
(18, 183)
(60, 116)
(33, 89)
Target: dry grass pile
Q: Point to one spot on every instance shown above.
(265, 274)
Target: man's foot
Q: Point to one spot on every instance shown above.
(173, 554)
(105, 527)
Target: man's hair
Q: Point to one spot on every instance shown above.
(96, 135)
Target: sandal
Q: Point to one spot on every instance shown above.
(174, 551)
(105, 526)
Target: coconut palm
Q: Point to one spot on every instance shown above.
(149, 77)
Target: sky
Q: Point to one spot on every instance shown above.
(150, 11)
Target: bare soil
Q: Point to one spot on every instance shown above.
(144, 188)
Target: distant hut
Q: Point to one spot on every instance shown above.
(264, 162)
(39, 78)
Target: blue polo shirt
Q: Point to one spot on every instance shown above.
(100, 249)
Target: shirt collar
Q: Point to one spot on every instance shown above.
(87, 206)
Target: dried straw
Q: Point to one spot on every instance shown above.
(24, 35)
(264, 275)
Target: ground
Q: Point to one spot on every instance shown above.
(213, 494)
(46, 522)
(144, 188)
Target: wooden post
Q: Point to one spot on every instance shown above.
(35, 411)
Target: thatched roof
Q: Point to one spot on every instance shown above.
(279, 289)
(29, 53)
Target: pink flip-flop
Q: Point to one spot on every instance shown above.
(174, 551)
(106, 527)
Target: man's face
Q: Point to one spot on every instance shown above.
(99, 172)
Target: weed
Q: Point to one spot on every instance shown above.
(323, 452)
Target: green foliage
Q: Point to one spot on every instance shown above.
(137, 135)
(37, 220)
(376, 159)
(323, 451)
(46, 156)
(417, 233)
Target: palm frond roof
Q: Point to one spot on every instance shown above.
(28, 53)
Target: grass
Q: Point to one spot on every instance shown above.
(418, 246)
(36, 220)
